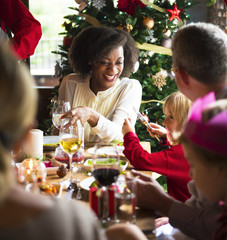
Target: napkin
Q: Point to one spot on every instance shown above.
(167, 232)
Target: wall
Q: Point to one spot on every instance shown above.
(198, 12)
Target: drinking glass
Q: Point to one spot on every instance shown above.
(125, 199)
(60, 107)
(71, 138)
(105, 169)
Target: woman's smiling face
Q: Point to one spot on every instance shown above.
(107, 71)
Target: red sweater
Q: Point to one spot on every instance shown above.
(170, 163)
(26, 29)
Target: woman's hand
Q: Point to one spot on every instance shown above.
(156, 129)
(85, 114)
(127, 126)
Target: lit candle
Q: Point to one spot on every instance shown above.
(30, 170)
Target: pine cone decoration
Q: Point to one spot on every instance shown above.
(62, 171)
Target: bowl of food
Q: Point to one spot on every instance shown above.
(48, 189)
(123, 164)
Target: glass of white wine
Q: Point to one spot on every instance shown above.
(60, 107)
(71, 139)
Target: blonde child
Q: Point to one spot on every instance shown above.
(169, 162)
(204, 142)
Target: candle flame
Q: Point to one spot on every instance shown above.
(31, 164)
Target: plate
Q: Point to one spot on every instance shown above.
(86, 183)
(107, 150)
(50, 142)
(87, 165)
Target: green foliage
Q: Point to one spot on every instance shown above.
(210, 2)
(150, 63)
(153, 110)
(163, 182)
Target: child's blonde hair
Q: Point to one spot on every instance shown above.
(178, 105)
(18, 102)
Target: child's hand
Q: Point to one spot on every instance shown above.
(127, 126)
(156, 130)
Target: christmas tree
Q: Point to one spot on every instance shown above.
(151, 24)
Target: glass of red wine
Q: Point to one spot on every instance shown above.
(105, 169)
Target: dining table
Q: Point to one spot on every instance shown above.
(145, 219)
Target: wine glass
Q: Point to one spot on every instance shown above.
(60, 107)
(71, 138)
(78, 157)
(105, 169)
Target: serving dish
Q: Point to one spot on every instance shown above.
(88, 164)
(50, 142)
(49, 170)
(47, 189)
(52, 170)
(107, 151)
(58, 188)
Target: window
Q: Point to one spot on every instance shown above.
(50, 14)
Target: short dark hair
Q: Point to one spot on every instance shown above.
(93, 43)
(201, 50)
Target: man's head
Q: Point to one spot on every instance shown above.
(200, 58)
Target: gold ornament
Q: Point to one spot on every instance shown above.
(148, 22)
(166, 33)
(129, 27)
(159, 80)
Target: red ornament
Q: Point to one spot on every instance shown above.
(67, 41)
(129, 6)
(175, 12)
